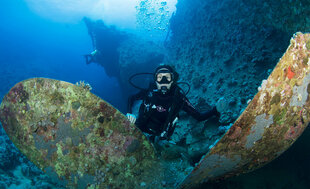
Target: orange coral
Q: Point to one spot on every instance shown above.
(290, 74)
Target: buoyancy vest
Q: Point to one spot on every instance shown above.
(157, 113)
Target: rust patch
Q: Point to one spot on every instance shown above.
(235, 132)
(294, 132)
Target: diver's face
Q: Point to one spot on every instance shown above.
(163, 78)
(164, 82)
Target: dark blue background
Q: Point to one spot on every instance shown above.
(32, 46)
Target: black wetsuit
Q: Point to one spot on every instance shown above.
(158, 111)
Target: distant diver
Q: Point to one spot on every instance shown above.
(161, 104)
(93, 57)
(105, 41)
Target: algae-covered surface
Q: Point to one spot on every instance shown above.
(77, 138)
(270, 124)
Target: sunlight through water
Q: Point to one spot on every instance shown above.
(120, 13)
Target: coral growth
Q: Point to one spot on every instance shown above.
(18, 94)
(84, 85)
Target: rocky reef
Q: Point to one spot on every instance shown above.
(17, 171)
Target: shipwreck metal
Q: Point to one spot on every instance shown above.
(270, 124)
(76, 137)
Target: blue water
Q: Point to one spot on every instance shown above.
(32, 46)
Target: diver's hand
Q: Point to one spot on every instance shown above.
(132, 118)
(94, 52)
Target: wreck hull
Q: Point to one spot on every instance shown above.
(271, 123)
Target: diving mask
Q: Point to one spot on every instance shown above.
(164, 80)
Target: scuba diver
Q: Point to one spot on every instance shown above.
(161, 104)
(92, 57)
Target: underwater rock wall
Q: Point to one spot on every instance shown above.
(228, 47)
